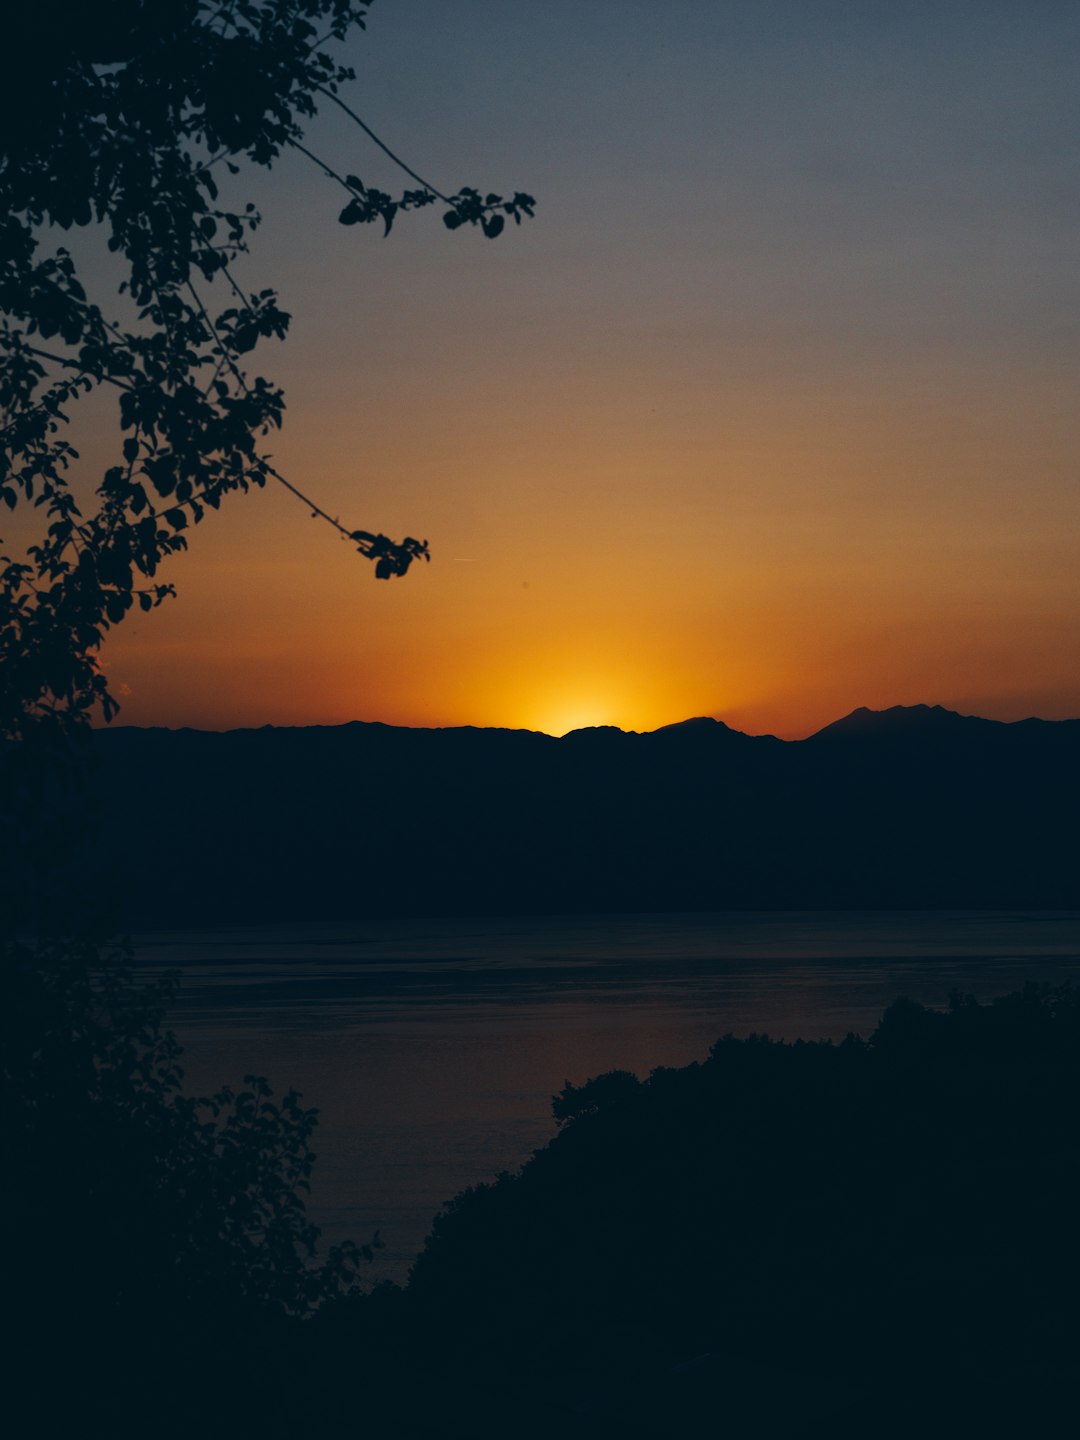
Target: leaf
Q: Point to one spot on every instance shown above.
(116, 604)
(451, 219)
(493, 226)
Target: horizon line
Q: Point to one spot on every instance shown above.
(859, 711)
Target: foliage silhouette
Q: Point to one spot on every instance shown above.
(125, 117)
(148, 1230)
(787, 1239)
(159, 1259)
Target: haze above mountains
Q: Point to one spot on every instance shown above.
(912, 807)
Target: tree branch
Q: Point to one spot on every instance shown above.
(382, 145)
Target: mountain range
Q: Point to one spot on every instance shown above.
(912, 807)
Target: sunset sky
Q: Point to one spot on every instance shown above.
(771, 412)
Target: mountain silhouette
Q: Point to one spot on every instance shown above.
(924, 721)
(902, 719)
(911, 807)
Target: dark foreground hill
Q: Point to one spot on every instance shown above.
(875, 1238)
(910, 807)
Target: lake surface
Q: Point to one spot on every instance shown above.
(432, 1048)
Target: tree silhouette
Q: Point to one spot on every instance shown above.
(147, 1231)
(157, 1247)
(125, 117)
(785, 1239)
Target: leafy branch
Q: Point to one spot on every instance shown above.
(144, 108)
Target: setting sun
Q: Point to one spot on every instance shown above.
(730, 467)
(562, 717)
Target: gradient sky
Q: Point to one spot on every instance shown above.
(771, 412)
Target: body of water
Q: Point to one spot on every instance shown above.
(432, 1048)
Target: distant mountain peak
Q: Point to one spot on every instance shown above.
(699, 728)
(595, 732)
(696, 722)
(900, 719)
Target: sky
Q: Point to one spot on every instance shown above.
(770, 413)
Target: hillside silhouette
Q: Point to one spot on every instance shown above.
(804, 1239)
(912, 807)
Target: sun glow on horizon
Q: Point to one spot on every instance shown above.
(576, 720)
(558, 715)
(568, 689)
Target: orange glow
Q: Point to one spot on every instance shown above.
(775, 606)
(673, 458)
